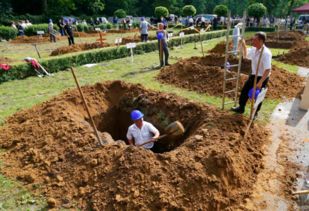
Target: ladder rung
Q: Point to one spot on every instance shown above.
(233, 51)
(235, 35)
(233, 65)
(231, 79)
(229, 102)
(233, 90)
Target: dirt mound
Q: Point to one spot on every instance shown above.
(135, 38)
(189, 31)
(205, 75)
(5, 60)
(120, 31)
(33, 39)
(287, 36)
(220, 48)
(78, 47)
(297, 56)
(52, 147)
(90, 34)
(292, 39)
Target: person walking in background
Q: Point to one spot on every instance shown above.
(162, 43)
(69, 32)
(60, 26)
(52, 36)
(144, 25)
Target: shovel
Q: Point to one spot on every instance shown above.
(173, 129)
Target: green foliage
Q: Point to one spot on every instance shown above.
(105, 26)
(188, 10)
(257, 10)
(7, 32)
(120, 13)
(96, 7)
(221, 10)
(32, 30)
(84, 28)
(98, 55)
(161, 12)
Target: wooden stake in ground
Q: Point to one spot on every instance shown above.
(252, 112)
(87, 108)
(255, 81)
(161, 51)
(37, 51)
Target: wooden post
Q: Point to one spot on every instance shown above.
(87, 108)
(37, 51)
(254, 86)
(161, 51)
(101, 40)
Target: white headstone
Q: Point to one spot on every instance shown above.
(181, 34)
(40, 32)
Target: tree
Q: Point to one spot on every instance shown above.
(161, 12)
(120, 13)
(188, 10)
(221, 10)
(96, 7)
(257, 10)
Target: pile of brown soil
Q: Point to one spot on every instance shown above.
(78, 47)
(84, 34)
(189, 31)
(120, 31)
(33, 39)
(220, 48)
(5, 60)
(126, 40)
(51, 147)
(297, 56)
(205, 75)
(292, 39)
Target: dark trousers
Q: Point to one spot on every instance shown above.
(52, 38)
(71, 40)
(144, 37)
(245, 90)
(165, 54)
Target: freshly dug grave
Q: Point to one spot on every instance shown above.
(78, 47)
(5, 60)
(220, 48)
(120, 31)
(297, 56)
(52, 147)
(135, 38)
(205, 75)
(292, 39)
(88, 34)
(33, 39)
(189, 31)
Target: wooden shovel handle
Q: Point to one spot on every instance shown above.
(147, 142)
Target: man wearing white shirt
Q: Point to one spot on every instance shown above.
(264, 69)
(141, 131)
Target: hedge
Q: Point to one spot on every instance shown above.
(22, 71)
(7, 32)
(32, 30)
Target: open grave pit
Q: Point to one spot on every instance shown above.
(52, 149)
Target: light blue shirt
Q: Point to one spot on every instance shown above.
(144, 27)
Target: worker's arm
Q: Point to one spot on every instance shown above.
(243, 48)
(266, 62)
(265, 75)
(131, 142)
(155, 132)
